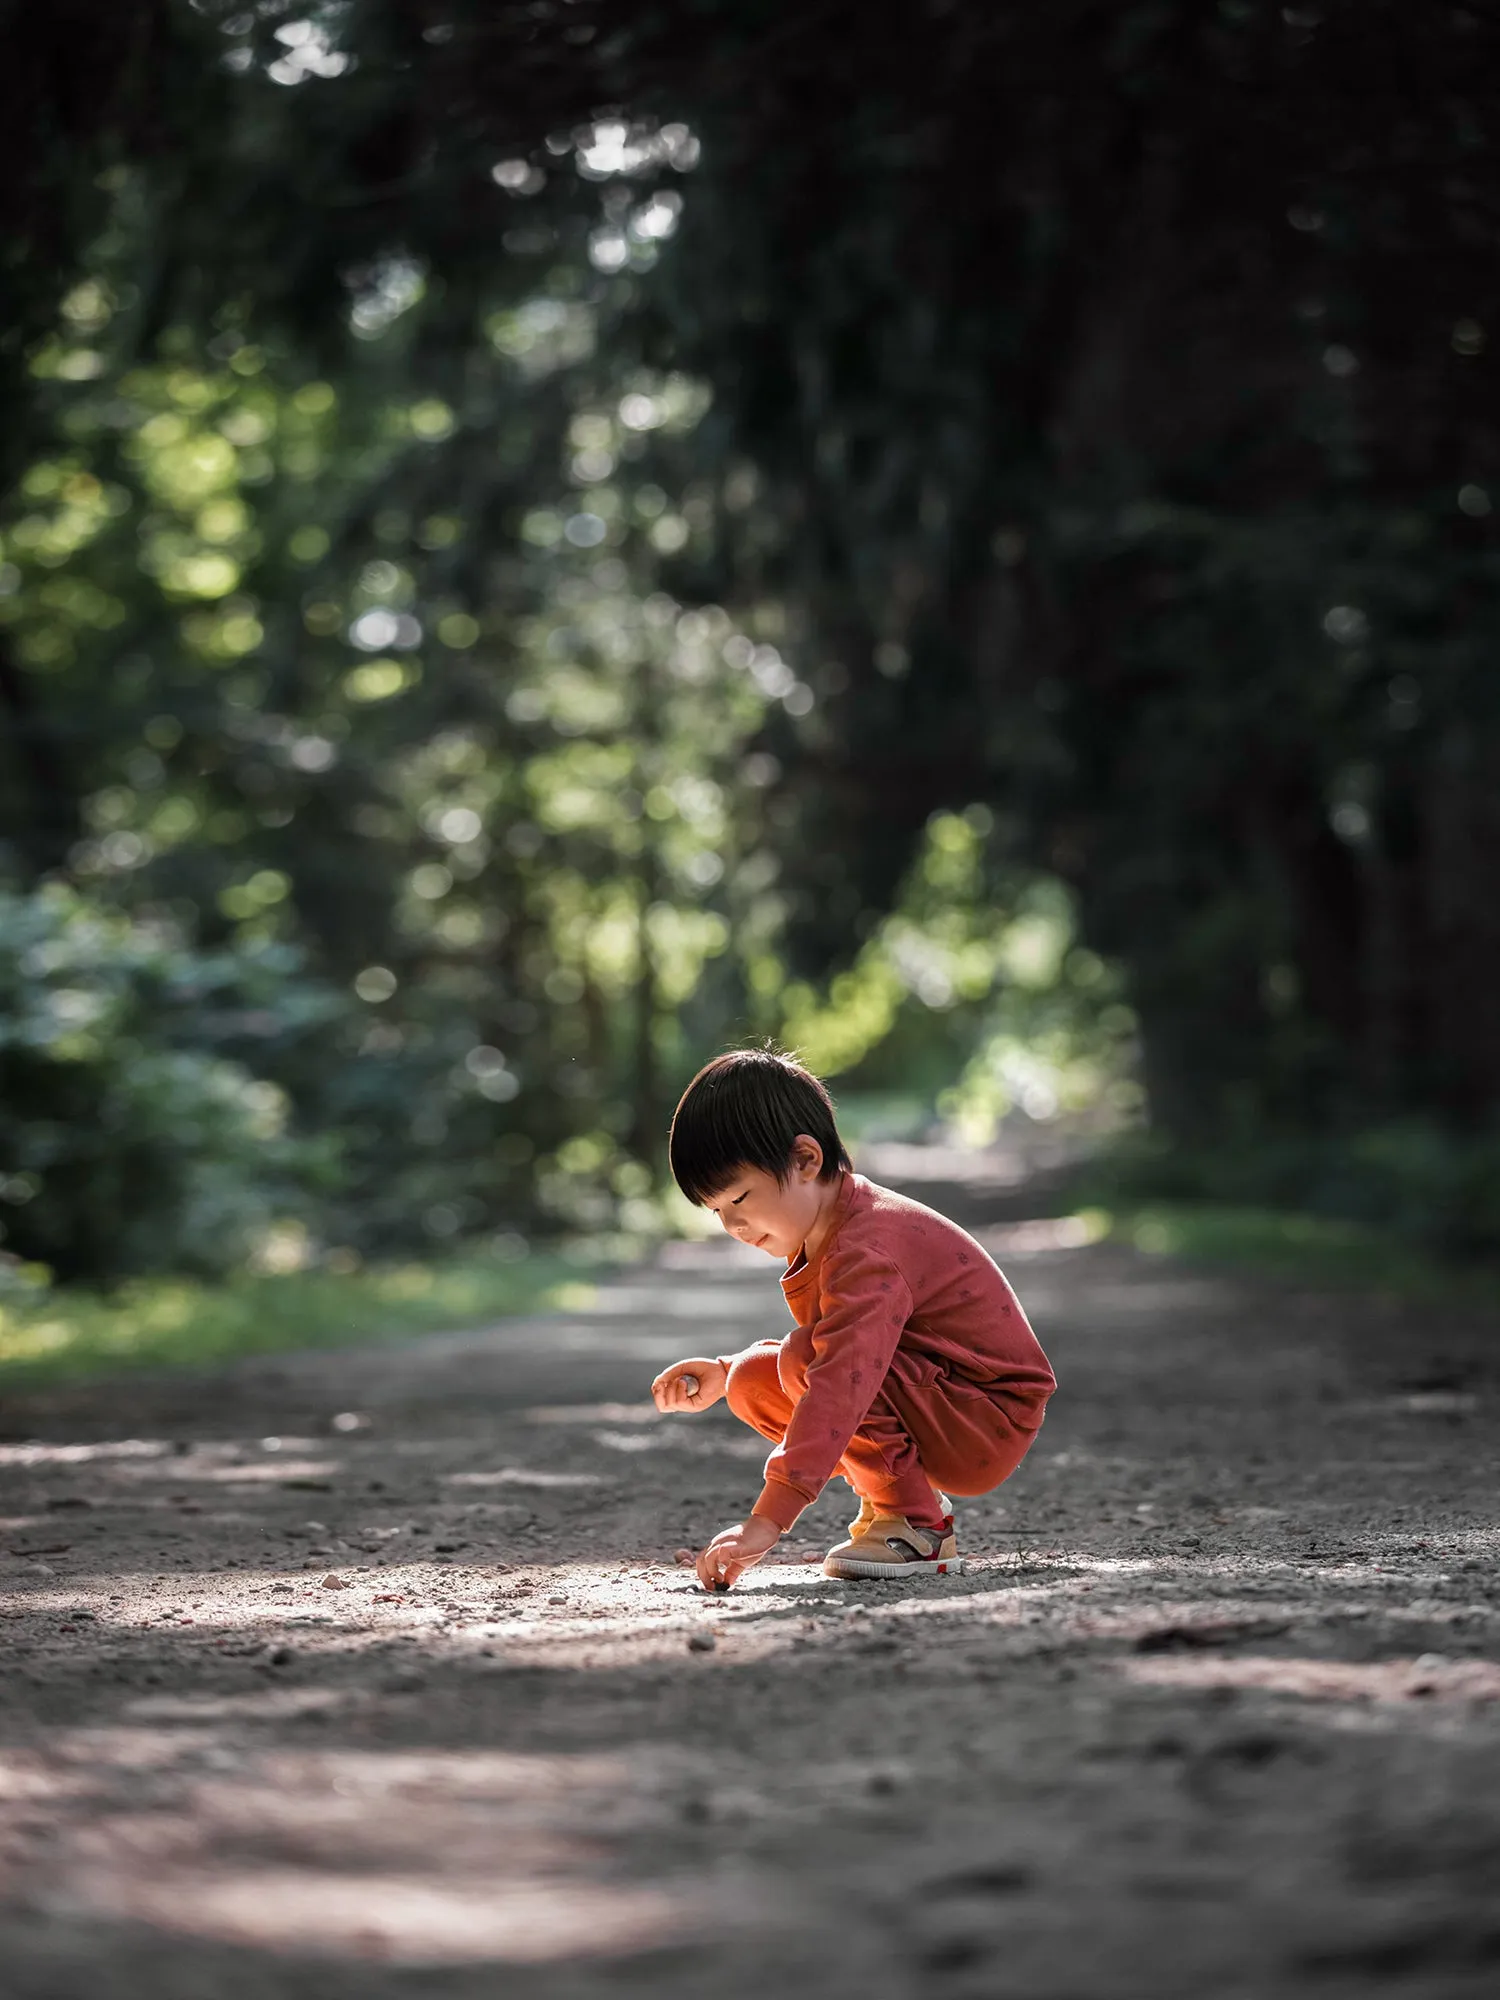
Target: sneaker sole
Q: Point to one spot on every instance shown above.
(846, 1566)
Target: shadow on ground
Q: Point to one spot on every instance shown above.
(372, 1673)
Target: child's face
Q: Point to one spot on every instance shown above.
(771, 1215)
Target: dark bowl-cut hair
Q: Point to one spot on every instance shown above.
(746, 1109)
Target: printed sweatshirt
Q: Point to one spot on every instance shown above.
(891, 1273)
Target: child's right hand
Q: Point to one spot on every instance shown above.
(672, 1389)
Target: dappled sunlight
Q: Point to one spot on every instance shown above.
(415, 1856)
(39, 1453)
(595, 1413)
(707, 1303)
(1428, 1675)
(270, 1704)
(404, 1918)
(239, 1473)
(567, 1614)
(142, 1460)
(515, 1475)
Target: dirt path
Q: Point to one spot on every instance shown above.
(295, 1705)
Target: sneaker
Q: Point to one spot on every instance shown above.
(869, 1512)
(887, 1545)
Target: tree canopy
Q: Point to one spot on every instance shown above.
(535, 508)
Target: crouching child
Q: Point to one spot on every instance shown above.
(911, 1369)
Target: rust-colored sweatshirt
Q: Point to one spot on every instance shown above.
(891, 1273)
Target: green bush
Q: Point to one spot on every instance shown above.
(1433, 1189)
(126, 1144)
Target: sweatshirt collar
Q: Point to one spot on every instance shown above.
(801, 1271)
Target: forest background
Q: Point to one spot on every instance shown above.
(540, 540)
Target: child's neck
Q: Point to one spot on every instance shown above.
(817, 1235)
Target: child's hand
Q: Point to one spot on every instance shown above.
(735, 1550)
(674, 1388)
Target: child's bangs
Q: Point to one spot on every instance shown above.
(747, 1109)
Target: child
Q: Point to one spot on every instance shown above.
(911, 1368)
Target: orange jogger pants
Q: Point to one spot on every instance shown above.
(925, 1429)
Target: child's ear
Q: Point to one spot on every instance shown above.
(807, 1156)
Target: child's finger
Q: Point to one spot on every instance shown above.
(666, 1390)
(718, 1566)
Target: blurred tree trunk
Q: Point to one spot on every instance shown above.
(645, 1136)
(40, 816)
(1462, 978)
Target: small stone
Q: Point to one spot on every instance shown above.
(685, 1558)
(281, 1656)
(332, 1582)
(557, 1600)
(701, 1642)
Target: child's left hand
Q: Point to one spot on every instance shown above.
(735, 1550)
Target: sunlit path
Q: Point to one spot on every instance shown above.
(350, 1670)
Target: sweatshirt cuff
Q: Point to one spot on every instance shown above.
(728, 1360)
(780, 1503)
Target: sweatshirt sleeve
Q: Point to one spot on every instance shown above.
(864, 1303)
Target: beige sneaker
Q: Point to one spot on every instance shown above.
(887, 1545)
(868, 1512)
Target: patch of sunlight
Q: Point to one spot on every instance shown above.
(278, 1472)
(595, 1413)
(402, 1918)
(1105, 1565)
(432, 1883)
(81, 1454)
(265, 1705)
(183, 1323)
(520, 1476)
(1428, 1676)
(571, 1296)
(31, 1343)
(1060, 1232)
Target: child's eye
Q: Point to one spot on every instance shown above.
(738, 1199)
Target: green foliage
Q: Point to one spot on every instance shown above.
(174, 1323)
(269, 662)
(1297, 1248)
(573, 578)
(127, 1148)
(975, 995)
(1421, 1185)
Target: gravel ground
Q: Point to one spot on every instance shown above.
(373, 1674)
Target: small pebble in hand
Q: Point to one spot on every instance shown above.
(689, 1384)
